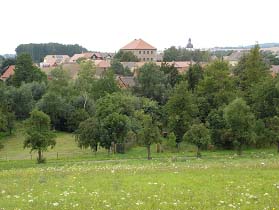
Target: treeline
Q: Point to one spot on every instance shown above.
(183, 54)
(39, 51)
(216, 106)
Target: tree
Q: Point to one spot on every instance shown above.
(86, 80)
(125, 56)
(115, 127)
(88, 134)
(198, 135)
(105, 85)
(39, 136)
(60, 82)
(151, 83)
(20, 100)
(181, 110)
(148, 132)
(251, 69)
(118, 68)
(241, 122)
(194, 75)
(273, 126)
(171, 73)
(57, 108)
(39, 51)
(26, 71)
(216, 89)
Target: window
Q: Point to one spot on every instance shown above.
(147, 52)
(143, 52)
(143, 59)
(151, 52)
(147, 59)
(139, 52)
(151, 59)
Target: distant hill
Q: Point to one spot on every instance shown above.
(39, 51)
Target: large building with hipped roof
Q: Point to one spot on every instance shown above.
(142, 50)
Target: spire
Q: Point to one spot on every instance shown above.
(189, 45)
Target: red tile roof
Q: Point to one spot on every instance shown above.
(138, 44)
(9, 72)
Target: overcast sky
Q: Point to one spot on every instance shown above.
(107, 25)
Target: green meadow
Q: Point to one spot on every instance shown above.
(81, 179)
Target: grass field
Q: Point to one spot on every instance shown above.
(80, 180)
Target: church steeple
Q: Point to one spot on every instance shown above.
(189, 45)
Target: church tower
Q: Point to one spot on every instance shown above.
(190, 45)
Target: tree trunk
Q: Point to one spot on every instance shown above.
(198, 153)
(39, 155)
(158, 148)
(239, 149)
(148, 152)
(96, 147)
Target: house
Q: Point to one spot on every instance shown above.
(8, 72)
(182, 66)
(125, 81)
(234, 58)
(274, 70)
(101, 67)
(141, 49)
(87, 55)
(54, 60)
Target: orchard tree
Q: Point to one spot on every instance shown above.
(39, 136)
(148, 132)
(240, 121)
(115, 127)
(198, 135)
(88, 134)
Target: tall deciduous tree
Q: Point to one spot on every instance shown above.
(241, 122)
(181, 110)
(39, 136)
(152, 83)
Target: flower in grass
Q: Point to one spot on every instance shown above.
(55, 204)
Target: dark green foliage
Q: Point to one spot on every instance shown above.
(251, 69)
(115, 127)
(39, 136)
(183, 54)
(171, 73)
(216, 89)
(125, 56)
(88, 134)
(152, 83)
(194, 75)
(57, 108)
(181, 109)
(39, 51)
(119, 69)
(26, 71)
(241, 122)
(148, 132)
(198, 135)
